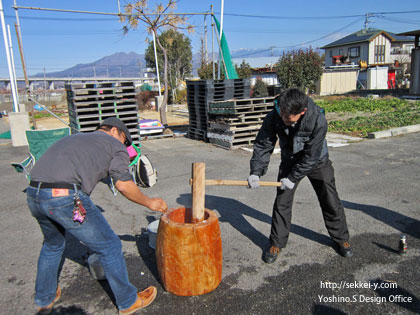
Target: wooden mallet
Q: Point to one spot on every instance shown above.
(198, 188)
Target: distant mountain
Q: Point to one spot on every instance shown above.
(254, 53)
(131, 64)
(120, 64)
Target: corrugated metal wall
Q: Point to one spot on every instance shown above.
(337, 82)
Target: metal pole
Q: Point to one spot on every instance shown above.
(223, 58)
(45, 86)
(156, 61)
(212, 42)
(220, 38)
(119, 7)
(12, 59)
(221, 20)
(6, 45)
(22, 57)
(23, 62)
(205, 39)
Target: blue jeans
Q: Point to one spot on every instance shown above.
(55, 217)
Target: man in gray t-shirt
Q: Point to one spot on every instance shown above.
(58, 197)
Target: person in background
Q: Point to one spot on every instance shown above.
(58, 197)
(301, 127)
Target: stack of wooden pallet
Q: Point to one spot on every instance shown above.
(201, 92)
(235, 123)
(91, 103)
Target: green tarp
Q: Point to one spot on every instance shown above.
(5, 135)
(146, 87)
(229, 66)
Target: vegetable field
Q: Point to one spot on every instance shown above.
(359, 116)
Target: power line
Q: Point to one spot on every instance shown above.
(195, 13)
(328, 35)
(277, 17)
(271, 31)
(304, 43)
(60, 19)
(274, 17)
(414, 22)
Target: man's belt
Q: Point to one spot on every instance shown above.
(53, 185)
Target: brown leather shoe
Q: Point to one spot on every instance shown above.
(270, 255)
(44, 310)
(144, 298)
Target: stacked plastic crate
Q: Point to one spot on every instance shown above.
(201, 92)
(235, 123)
(90, 103)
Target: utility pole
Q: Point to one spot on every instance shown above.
(22, 60)
(367, 16)
(220, 39)
(139, 65)
(45, 87)
(6, 45)
(205, 39)
(212, 42)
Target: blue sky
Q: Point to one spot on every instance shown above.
(55, 41)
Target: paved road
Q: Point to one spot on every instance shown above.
(378, 181)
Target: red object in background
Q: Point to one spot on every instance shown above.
(336, 59)
(391, 79)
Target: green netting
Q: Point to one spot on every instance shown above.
(230, 68)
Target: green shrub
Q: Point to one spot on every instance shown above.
(260, 89)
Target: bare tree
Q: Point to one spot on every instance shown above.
(157, 19)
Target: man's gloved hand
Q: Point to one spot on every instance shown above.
(253, 181)
(286, 184)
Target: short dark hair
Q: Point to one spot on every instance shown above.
(292, 101)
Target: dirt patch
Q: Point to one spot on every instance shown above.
(175, 116)
(45, 123)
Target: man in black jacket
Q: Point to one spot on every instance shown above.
(301, 127)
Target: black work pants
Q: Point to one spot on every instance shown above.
(323, 182)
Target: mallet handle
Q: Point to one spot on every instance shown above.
(198, 188)
(229, 182)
